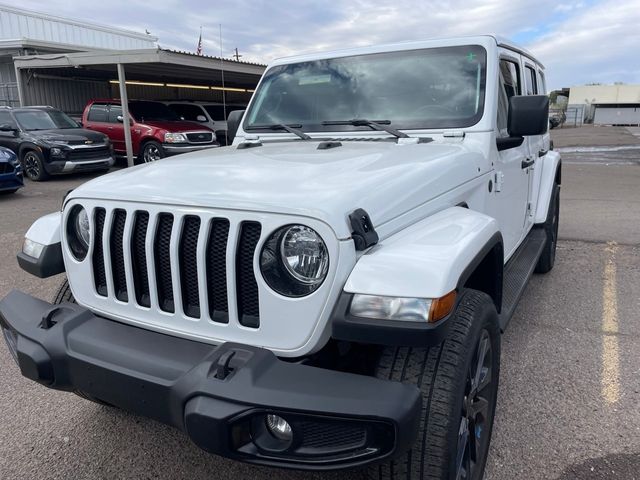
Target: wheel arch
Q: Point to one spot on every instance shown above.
(551, 174)
(27, 147)
(486, 270)
(450, 250)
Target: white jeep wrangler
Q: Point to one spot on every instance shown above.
(329, 291)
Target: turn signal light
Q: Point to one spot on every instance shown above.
(441, 307)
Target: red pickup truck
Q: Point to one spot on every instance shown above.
(156, 131)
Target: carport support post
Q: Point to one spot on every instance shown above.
(124, 100)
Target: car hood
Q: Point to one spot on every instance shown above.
(70, 136)
(177, 126)
(295, 177)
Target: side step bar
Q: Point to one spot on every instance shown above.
(518, 271)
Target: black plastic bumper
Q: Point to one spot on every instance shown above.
(218, 395)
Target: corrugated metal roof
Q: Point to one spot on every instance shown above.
(18, 23)
(182, 52)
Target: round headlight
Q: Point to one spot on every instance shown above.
(78, 232)
(294, 261)
(304, 255)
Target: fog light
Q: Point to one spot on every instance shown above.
(279, 428)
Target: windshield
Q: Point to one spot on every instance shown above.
(44, 120)
(150, 111)
(216, 112)
(429, 88)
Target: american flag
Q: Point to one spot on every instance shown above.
(199, 49)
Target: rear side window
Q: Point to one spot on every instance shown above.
(530, 81)
(542, 86)
(97, 113)
(114, 112)
(188, 112)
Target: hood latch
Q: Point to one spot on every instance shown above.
(363, 233)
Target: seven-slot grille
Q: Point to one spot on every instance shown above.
(175, 242)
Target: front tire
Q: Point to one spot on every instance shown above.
(459, 383)
(151, 152)
(33, 166)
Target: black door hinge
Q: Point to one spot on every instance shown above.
(363, 233)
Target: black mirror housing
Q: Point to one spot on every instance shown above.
(5, 127)
(233, 122)
(528, 115)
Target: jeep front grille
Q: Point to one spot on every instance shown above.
(176, 266)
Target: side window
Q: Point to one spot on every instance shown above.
(509, 86)
(531, 85)
(97, 113)
(542, 86)
(188, 112)
(114, 112)
(7, 119)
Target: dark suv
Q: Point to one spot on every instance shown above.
(47, 141)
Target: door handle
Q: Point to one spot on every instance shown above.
(528, 162)
(109, 128)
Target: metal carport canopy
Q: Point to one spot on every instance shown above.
(144, 65)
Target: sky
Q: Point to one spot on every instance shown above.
(579, 42)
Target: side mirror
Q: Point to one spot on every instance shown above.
(233, 122)
(201, 118)
(528, 115)
(5, 127)
(119, 119)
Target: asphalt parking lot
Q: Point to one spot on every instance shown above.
(570, 379)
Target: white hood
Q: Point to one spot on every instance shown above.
(294, 177)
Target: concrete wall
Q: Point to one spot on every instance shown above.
(588, 94)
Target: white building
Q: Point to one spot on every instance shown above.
(608, 104)
(24, 32)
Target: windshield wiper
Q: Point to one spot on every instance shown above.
(363, 122)
(292, 128)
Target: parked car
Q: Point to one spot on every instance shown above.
(156, 131)
(47, 141)
(329, 291)
(10, 172)
(556, 119)
(212, 115)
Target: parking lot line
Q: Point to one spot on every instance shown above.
(610, 346)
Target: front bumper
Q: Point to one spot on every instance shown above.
(176, 149)
(69, 166)
(11, 181)
(218, 395)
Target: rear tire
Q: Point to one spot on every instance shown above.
(446, 375)
(550, 226)
(33, 166)
(63, 294)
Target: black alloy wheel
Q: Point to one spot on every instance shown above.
(32, 166)
(473, 435)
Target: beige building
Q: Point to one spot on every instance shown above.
(608, 104)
